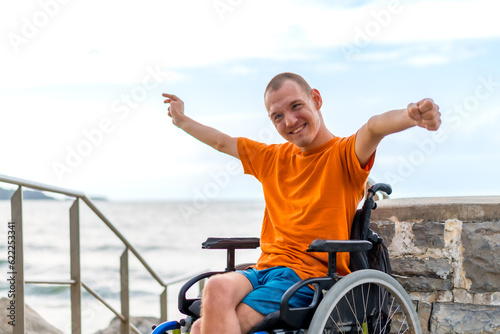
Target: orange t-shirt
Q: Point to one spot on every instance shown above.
(309, 195)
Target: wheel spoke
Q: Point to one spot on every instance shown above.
(365, 303)
(335, 322)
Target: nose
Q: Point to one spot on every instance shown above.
(290, 119)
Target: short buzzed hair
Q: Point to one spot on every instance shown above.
(279, 79)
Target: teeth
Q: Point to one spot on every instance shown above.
(298, 129)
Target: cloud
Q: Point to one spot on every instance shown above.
(96, 42)
(428, 59)
(421, 54)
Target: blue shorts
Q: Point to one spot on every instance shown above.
(269, 285)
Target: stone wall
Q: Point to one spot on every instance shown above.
(446, 254)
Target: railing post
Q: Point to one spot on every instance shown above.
(164, 305)
(201, 285)
(76, 287)
(16, 203)
(125, 309)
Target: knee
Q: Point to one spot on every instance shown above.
(219, 289)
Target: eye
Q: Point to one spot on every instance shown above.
(277, 117)
(296, 106)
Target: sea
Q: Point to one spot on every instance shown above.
(168, 235)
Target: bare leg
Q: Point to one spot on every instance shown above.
(222, 311)
(248, 317)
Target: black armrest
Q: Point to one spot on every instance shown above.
(332, 247)
(297, 317)
(339, 246)
(231, 243)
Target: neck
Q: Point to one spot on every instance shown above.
(324, 136)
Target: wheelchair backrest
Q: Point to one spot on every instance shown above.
(378, 256)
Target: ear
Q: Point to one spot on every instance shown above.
(317, 99)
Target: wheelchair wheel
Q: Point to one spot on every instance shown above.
(366, 301)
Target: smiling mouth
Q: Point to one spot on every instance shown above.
(298, 129)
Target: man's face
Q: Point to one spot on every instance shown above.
(295, 114)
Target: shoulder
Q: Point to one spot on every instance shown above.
(246, 144)
(249, 149)
(349, 140)
(345, 144)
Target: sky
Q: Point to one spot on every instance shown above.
(81, 84)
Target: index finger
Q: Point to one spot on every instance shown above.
(170, 96)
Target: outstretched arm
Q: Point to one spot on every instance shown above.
(210, 136)
(424, 114)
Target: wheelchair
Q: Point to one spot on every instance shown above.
(364, 301)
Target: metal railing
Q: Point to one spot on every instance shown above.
(75, 281)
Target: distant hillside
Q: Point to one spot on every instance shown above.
(6, 194)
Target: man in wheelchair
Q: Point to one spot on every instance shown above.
(312, 186)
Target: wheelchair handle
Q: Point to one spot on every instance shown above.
(386, 188)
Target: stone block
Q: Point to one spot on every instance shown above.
(420, 266)
(385, 229)
(444, 296)
(417, 274)
(481, 254)
(462, 296)
(424, 311)
(423, 284)
(428, 297)
(429, 234)
(447, 318)
(492, 298)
